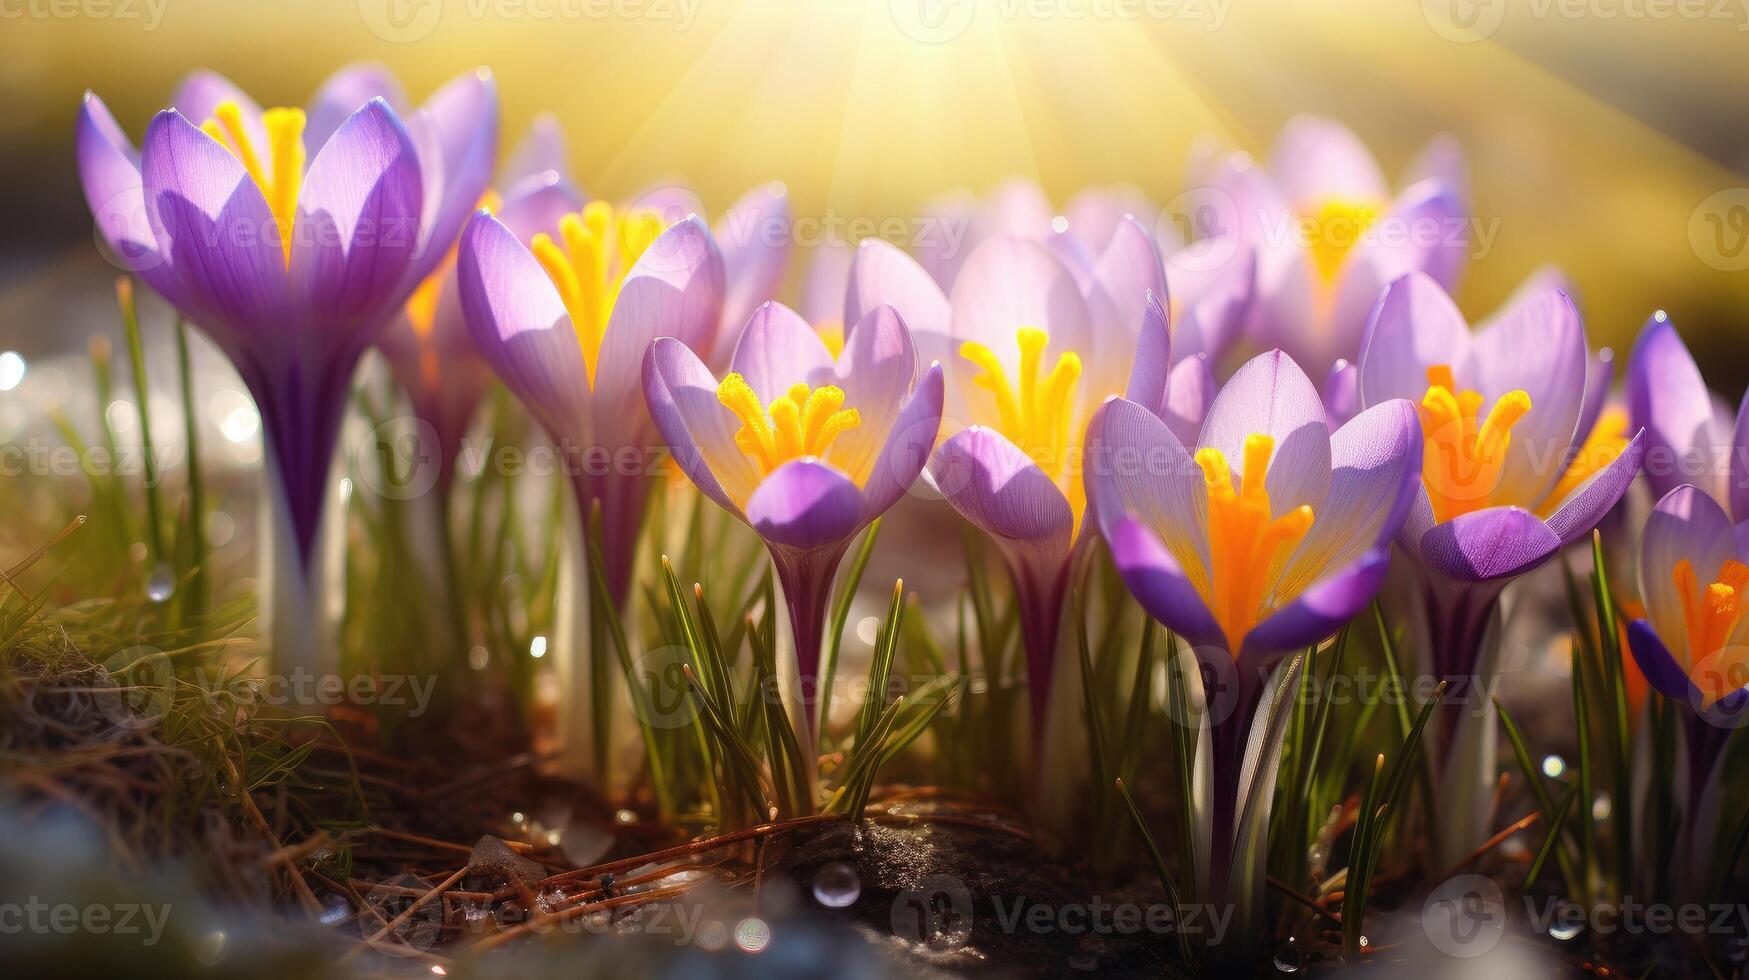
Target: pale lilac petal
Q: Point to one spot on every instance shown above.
(1667, 675)
(1129, 273)
(1271, 396)
(875, 371)
(1493, 543)
(910, 440)
(698, 430)
(344, 93)
(943, 248)
(1666, 395)
(541, 151)
(1317, 160)
(1157, 581)
(1008, 283)
(882, 274)
(1076, 257)
(1686, 525)
(1540, 349)
(673, 202)
(1320, 610)
(806, 505)
(109, 172)
(1190, 391)
(538, 205)
(456, 134)
(1441, 159)
(1341, 393)
(1016, 206)
(1095, 212)
(1599, 372)
(221, 245)
(1543, 279)
(357, 225)
(1002, 492)
(675, 289)
(754, 235)
(520, 326)
(1738, 491)
(1427, 232)
(778, 349)
(1414, 326)
(1152, 366)
(1212, 286)
(1135, 467)
(826, 284)
(1586, 505)
(203, 91)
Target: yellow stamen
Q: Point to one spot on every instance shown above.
(1034, 413)
(281, 175)
(1463, 458)
(588, 265)
(1709, 616)
(1248, 543)
(1337, 226)
(1607, 439)
(804, 422)
(832, 335)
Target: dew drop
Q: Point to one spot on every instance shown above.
(752, 935)
(161, 584)
(1288, 958)
(836, 885)
(1565, 930)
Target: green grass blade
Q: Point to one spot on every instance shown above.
(130, 321)
(1552, 842)
(1156, 858)
(847, 587)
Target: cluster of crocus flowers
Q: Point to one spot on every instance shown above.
(562, 298)
(291, 237)
(805, 447)
(1262, 535)
(1692, 643)
(1329, 234)
(1515, 467)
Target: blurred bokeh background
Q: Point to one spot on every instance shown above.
(1600, 133)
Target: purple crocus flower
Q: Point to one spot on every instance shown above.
(562, 298)
(291, 238)
(1263, 536)
(1037, 352)
(1329, 233)
(1508, 478)
(806, 448)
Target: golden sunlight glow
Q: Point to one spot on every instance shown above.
(801, 423)
(1607, 439)
(599, 248)
(281, 175)
(1035, 413)
(1710, 615)
(1335, 229)
(1463, 459)
(1247, 545)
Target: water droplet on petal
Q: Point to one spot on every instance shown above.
(836, 885)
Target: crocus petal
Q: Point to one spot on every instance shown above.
(1414, 325)
(1599, 371)
(1321, 609)
(1189, 392)
(215, 231)
(1425, 232)
(1317, 160)
(1663, 671)
(357, 224)
(1152, 365)
(203, 91)
(1376, 468)
(1008, 283)
(520, 326)
(754, 235)
(777, 349)
(1159, 583)
(1685, 525)
(910, 438)
(1492, 543)
(1094, 212)
(456, 134)
(1212, 285)
(1585, 506)
(109, 171)
(682, 397)
(1739, 478)
(343, 94)
(942, 254)
(875, 371)
(1270, 395)
(1135, 467)
(675, 289)
(1667, 396)
(1129, 272)
(1441, 159)
(805, 504)
(1540, 349)
(1002, 492)
(1341, 392)
(538, 205)
(882, 274)
(541, 151)
(826, 285)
